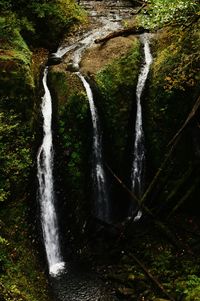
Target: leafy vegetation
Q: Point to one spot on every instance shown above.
(15, 155)
(175, 269)
(38, 21)
(20, 278)
(117, 83)
(159, 13)
(173, 87)
(73, 147)
(18, 263)
(75, 111)
(23, 25)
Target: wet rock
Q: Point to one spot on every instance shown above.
(72, 68)
(53, 59)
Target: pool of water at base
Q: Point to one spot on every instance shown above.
(80, 283)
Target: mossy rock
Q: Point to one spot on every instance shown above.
(21, 274)
(74, 146)
(117, 85)
(172, 92)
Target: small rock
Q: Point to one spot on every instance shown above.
(125, 291)
(71, 67)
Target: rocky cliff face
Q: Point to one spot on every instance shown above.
(19, 261)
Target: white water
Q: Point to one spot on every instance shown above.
(102, 208)
(46, 189)
(139, 149)
(87, 40)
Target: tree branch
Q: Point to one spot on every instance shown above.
(151, 277)
(122, 32)
(173, 142)
(145, 209)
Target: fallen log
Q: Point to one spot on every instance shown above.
(151, 277)
(122, 32)
(173, 142)
(163, 228)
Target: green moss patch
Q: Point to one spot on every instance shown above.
(117, 85)
(21, 279)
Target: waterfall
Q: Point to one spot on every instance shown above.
(139, 148)
(102, 208)
(46, 189)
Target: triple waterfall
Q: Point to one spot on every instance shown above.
(102, 209)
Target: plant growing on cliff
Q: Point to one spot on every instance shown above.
(159, 13)
(47, 20)
(14, 153)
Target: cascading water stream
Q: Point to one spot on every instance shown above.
(102, 208)
(139, 148)
(46, 187)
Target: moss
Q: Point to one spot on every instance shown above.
(20, 277)
(40, 23)
(173, 90)
(15, 61)
(173, 83)
(117, 85)
(74, 146)
(16, 103)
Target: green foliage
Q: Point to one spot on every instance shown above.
(74, 130)
(117, 83)
(176, 271)
(10, 37)
(188, 287)
(5, 5)
(124, 69)
(20, 279)
(14, 153)
(174, 86)
(176, 63)
(55, 17)
(16, 82)
(22, 21)
(74, 112)
(164, 12)
(39, 21)
(65, 11)
(15, 140)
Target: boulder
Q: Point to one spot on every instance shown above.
(53, 59)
